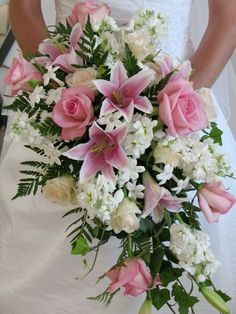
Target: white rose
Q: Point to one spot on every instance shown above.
(208, 103)
(82, 77)
(124, 217)
(166, 155)
(60, 190)
(139, 43)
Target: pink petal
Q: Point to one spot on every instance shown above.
(98, 135)
(75, 35)
(72, 133)
(113, 274)
(136, 84)
(106, 88)
(143, 104)
(207, 212)
(91, 165)
(122, 281)
(166, 116)
(79, 152)
(118, 74)
(127, 112)
(109, 173)
(47, 48)
(119, 133)
(116, 158)
(107, 107)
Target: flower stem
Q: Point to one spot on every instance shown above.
(130, 246)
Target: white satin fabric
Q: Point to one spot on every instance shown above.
(37, 272)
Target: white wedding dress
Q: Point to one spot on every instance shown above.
(37, 272)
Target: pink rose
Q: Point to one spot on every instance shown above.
(214, 201)
(74, 111)
(134, 276)
(20, 73)
(96, 11)
(181, 108)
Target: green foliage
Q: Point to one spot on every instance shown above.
(215, 134)
(80, 247)
(48, 127)
(20, 104)
(156, 261)
(90, 52)
(105, 298)
(160, 297)
(184, 300)
(130, 62)
(27, 186)
(169, 274)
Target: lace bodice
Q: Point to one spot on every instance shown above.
(177, 42)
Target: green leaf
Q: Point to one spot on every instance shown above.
(184, 300)
(216, 134)
(147, 226)
(224, 296)
(156, 261)
(80, 247)
(170, 274)
(160, 297)
(130, 62)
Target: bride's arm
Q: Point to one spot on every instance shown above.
(218, 43)
(27, 23)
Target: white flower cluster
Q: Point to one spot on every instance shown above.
(139, 136)
(99, 197)
(192, 248)
(199, 160)
(155, 22)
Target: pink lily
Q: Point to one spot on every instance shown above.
(122, 93)
(102, 152)
(62, 56)
(183, 71)
(157, 198)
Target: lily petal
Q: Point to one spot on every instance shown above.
(118, 74)
(79, 152)
(91, 165)
(105, 87)
(136, 84)
(143, 104)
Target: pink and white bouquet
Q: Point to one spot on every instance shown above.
(124, 137)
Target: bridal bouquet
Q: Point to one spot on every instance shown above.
(123, 136)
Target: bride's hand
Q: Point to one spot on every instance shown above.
(218, 43)
(27, 24)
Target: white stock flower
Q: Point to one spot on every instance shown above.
(139, 136)
(135, 191)
(192, 248)
(51, 75)
(36, 95)
(111, 120)
(131, 173)
(166, 174)
(54, 95)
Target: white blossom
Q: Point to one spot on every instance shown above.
(166, 174)
(36, 95)
(111, 120)
(139, 136)
(54, 95)
(135, 191)
(51, 75)
(192, 248)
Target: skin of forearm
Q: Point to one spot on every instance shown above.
(212, 55)
(27, 24)
(217, 44)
